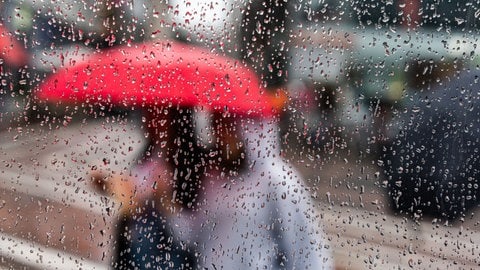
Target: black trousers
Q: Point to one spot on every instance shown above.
(145, 241)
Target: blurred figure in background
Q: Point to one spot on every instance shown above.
(264, 40)
(433, 164)
(256, 212)
(13, 58)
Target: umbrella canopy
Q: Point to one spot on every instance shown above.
(160, 73)
(433, 164)
(11, 50)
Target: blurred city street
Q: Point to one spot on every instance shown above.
(52, 219)
(352, 79)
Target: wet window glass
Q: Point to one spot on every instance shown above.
(270, 134)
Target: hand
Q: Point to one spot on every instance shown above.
(119, 187)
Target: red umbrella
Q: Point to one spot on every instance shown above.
(11, 50)
(160, 73)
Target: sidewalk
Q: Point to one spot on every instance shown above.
(50, 218)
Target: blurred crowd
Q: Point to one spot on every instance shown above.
(350, 84)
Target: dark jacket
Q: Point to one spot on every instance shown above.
(433, 163)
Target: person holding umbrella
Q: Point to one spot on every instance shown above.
(256, 211)
(157, 75)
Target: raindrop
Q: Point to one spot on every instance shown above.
(270, 68)
(477, 13)
(459, 20)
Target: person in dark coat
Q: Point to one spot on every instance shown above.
(433, 164)
(264, 40)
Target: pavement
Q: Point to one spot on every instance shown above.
(50, 218)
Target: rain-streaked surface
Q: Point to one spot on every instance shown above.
(120, 139)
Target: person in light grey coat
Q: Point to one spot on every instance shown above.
(258, 215)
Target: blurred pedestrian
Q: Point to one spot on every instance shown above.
(159, 194)
(264, 40)
(256, 212)
(432, 165)
(13, 58)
